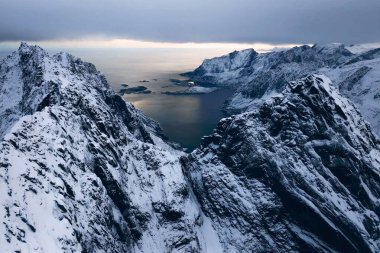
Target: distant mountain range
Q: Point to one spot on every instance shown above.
(295, 168)
(259, 76)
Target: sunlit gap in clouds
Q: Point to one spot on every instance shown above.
(129, 43)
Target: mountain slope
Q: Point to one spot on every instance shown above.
(300, 174)
(250, 65)
(356, 75)
(83, 171)
(359, 80)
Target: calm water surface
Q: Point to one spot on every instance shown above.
(184, 119)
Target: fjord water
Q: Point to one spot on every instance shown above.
(184, 118)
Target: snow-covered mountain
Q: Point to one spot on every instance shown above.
(260, 76)
(81, 170)
(300, 174)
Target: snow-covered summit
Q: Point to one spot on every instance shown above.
(230, 62)
(242, 64)
(31, 79)
(302, 171)
(357, 76)
(332, 48)
(83, 171)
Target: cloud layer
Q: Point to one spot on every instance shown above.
(268, 21)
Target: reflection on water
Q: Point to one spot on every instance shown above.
(184, 119)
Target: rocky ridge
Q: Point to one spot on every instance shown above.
(356, 75)
(300, 174)
(83, 171)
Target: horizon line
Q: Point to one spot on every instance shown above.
(137, 44)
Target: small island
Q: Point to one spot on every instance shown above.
(135, 90)
(192, 91)
(185, 83)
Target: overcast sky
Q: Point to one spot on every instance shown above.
(237, 21)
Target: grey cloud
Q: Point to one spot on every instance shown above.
(281, 21)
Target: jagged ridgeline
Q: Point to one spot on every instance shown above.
(300, 174)
(81, 170)
(260, 76)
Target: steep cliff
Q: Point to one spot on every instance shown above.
(300, 174)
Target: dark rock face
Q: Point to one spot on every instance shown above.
(301, 174)
(350, 81)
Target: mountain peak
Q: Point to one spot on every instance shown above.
(26, 48)
(313, 84)
(244, 51)
(318, 93)
(305, 151)
(332, 48)
(23, 45)
(84, 170)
